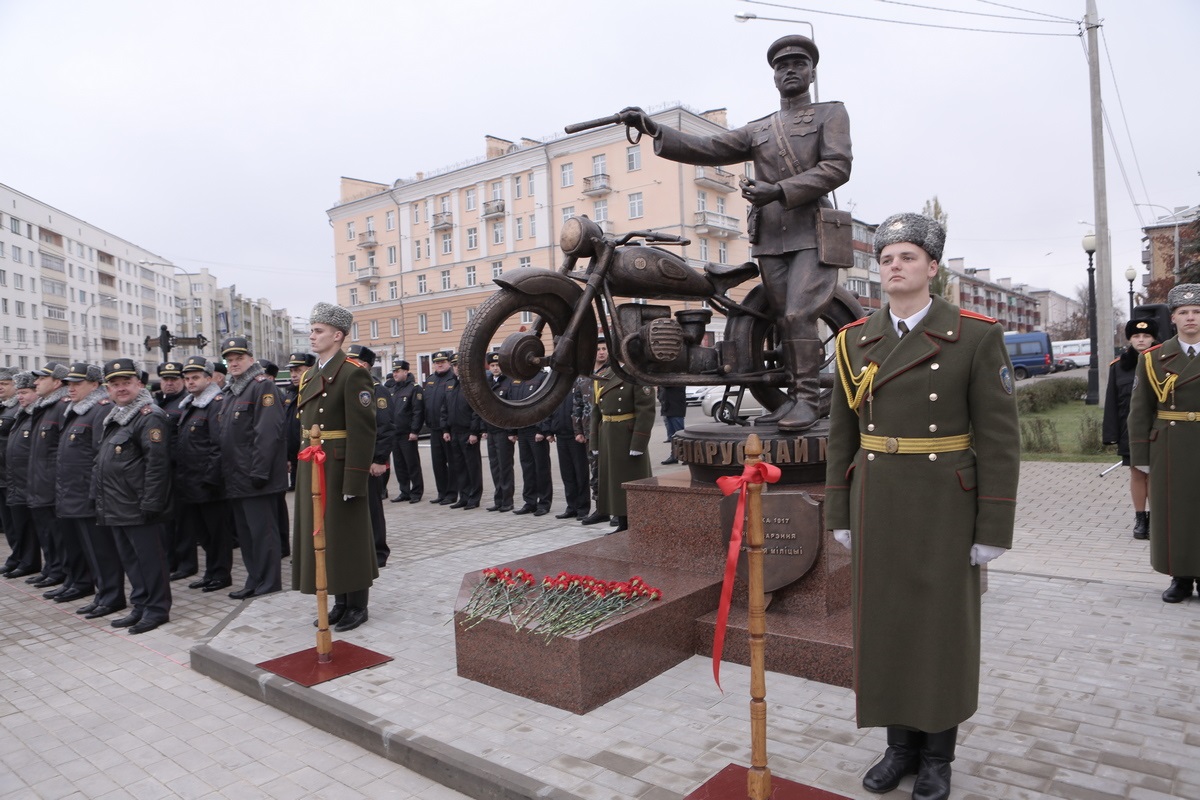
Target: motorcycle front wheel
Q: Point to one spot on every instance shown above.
(535, 321)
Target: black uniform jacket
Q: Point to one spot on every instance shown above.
(1116, 400)
(457, 414)
(43, 449)
(132, 480)
(197, 452)
(17, 458)
(385, 425)
(435, 398)
(408, 407)
(82, 426)
(253, 452)
(8, 421)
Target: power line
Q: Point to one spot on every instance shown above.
(896, 21)
(975, 13)
(1124, 118)
(1029, 11)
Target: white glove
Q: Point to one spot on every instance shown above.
(1143, 469)
(842, 536)
(634, 453)
(983, 553)
(347, 498)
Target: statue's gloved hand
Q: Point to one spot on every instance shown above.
(842, 537)
(983, 553)
(635, 118)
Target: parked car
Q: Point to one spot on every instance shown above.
(1030, 353)
(721, 408)
(695, 394)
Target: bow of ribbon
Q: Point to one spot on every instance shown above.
(761, 472)
(316, 454)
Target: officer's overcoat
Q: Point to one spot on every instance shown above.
(615, 397)
(1171, 448)
(914, 517)
(339, 398)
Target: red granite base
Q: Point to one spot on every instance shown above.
(303, 667)
(730, 784)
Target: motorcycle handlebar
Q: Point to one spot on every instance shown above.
(599, 122)
(653, 236)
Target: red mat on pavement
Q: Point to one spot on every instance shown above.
(730, 784)
(304, 669)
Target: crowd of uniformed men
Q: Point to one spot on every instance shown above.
(102, 480)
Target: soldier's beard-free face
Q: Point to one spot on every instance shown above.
(1141, 342)
(123, 389)
(170, 386)
(1187, 322)
(324, 340)
(196, 382)
(441, 367)
(77, 390)
(905, 270)
(26, 397)
(297, 373)
(45, 386)
(238, 363)
(7, 390)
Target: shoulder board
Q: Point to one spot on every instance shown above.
(356, 362)
(855, 323)
(1115, 360)
(1152, 349)
(973, 315)
(65, 400)
(105, 401)
(147, 410)
(260, 378)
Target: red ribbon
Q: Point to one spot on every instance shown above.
(316, 454)
(761, 472)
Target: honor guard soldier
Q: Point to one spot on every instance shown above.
(408, 405)
(584, 396)
(1164, 441)
(537, 485)
(801, 153)
(338, 396)
(439, 452)
(203, 513)
(132, 488)
(26, 553)
(8, 419)
(1142, 335)
(93, 563)
(921, 484)
(385, 437)
(463, 430)
(47, 415)
(297, 364)
(501, 443)
(253, 465)
(622, 420)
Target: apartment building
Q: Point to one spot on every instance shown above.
(70, 291)
(1162, 252)
(973, 289)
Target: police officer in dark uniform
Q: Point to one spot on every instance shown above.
(47, 414)
(281, 507)
(408, 406)
(132, 488)
(297, 364)
(463, 430)
(385, 432)
(199, 488)
(572, 460)
(26, 552)
(439, 451)
(8, 419)
(501, 442)
(537, 486)
(253, 464)
(180, 557)
(170, 388)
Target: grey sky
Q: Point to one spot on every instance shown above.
(215, 133)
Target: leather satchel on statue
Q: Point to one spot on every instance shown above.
(835, 238)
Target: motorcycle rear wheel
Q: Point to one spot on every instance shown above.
(520, 352)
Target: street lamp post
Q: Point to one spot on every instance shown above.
(1093, 379)
(1130, 275)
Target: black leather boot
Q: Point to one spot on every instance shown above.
(1179, 590)
(1141, 525)
(900, 759)
(933, 776)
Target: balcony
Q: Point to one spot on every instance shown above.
(596, 185)
(716, 178)
(493, 209)
(710, 223)
(368, 275)
(443, 221)
(606, 225)
(367, 240)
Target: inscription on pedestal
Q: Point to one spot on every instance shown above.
(791, 535)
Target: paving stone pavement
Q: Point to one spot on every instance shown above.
(1088, 688)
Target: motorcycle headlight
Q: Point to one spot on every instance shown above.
(578, 237)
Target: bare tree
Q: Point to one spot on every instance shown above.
(940, 283)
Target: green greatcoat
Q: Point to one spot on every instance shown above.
(914, 517)
(615, 397)
(1171, 448)
(338, 397)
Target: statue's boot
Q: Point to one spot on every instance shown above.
(778, 413)
(804, 356)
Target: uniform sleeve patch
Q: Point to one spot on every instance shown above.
(381, 403)
(155, 435)
(365, 399)
(268, 399)
(647, 390)
(420, 396)
(1006, 381)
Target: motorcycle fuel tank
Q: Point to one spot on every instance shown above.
(651, 272)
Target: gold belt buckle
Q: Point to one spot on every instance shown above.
(891, 444)
(1191, 416)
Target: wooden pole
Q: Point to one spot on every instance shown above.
(324, 637)
(758, 778)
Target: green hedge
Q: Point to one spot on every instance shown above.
(1035, 398)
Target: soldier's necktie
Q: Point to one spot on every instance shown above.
(903, 326)
(1191, 351)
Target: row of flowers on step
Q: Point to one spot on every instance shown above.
(560, 605)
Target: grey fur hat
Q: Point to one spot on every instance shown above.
(329, 314)
(52, 369)
(23, 380)
(1184, 294)
(6, 373)
(925, 232)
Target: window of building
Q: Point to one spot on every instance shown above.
(447, 246)
(600, 210)
(704, 249)
(519, 227)
(422, 323)
(447, 319)
(527, 317)
(3, 277)
(722, 252)
(395, 326)
(497, 269)
(599, 164)
(444, 203)
(416, 213)
(422, 285)
(568, 212)
(374, 329)
(55, 312)
(471, 275)
(472, 238)
(393, 290)
(354, 331)
(532, 226)
(17, 255)
(353, 263)
(1, 249)
(370, 224)
(529, 181)
(701, 201)
(354, 297)
(567, 173)
(720, 204)
(633, 158)
(471, 313)
(19, 306)
(389, 221)
(373, 297)
(349, 230)
(445, 280)
(54, 287)
(517, 186)
(470, 198)
(497, 233)
(525, 261)
(391, 253)
(14, 225)
(417, 250)
(371, 260)
(635, 205)
(497, 190)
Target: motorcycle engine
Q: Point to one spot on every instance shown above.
(662, 344)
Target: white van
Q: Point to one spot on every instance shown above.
(1072, 353)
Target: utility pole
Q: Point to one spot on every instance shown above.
(1104, 303)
